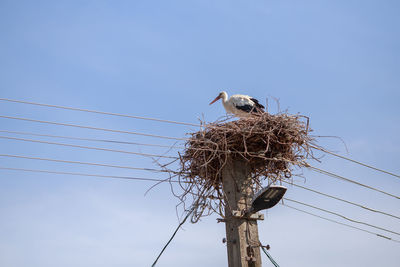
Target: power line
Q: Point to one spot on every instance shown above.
(104, 113)
(98, 112)
(88, 174)
(137, 178)
(137, 133)
(160, 120)
(355, 161)
(112, 141)
(343, 200)
(107, 113)
(83, 163)
(173, 235)
(157, 170)
(89, 139)
(348, 225)
(269, 256)
(164, 137)
(158, 136)
(350, 181)
(342, 216)
(136, 143)
(93, 128)
(88, 147)
(160, 180)
(163, 156)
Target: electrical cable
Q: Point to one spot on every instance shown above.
(173, 122)
(342, 216)
(110, 141)
(88, 147)
(156, 170)
(89, 139)
(348, 225)
(166, 137)
(173, 235)
(355, 161)
(88, 174)
(102, 112)
(83, 163)
(269, 256)
(331, 174)
(93, 128)
(139, 144)
(160, 180)
(343, 200)
(98, 112)
(117, 141)
(171, 157)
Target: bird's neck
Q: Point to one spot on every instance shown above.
(224, 98)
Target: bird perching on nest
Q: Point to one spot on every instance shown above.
(240, 105)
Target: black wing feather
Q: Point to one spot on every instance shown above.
(256, 108)
(246, 108)
(258, 105)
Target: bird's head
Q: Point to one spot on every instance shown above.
(222, 95)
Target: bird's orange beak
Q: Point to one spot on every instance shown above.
(215, 100)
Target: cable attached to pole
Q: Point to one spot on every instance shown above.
(269, 256)
(173, 235)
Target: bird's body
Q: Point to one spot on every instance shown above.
(240, 105)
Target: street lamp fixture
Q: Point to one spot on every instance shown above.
(266, 198)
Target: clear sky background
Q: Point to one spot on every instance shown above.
(336, 62)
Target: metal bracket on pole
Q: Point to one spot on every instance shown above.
(241, 215)
(251, 259)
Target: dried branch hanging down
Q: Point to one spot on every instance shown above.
(270, 144)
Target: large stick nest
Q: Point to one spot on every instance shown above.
(270, 144)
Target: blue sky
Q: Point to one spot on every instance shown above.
(336, 62)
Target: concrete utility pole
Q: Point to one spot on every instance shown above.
(241, 232)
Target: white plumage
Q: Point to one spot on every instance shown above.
(239, 105)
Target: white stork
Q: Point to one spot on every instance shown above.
(239, 105)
